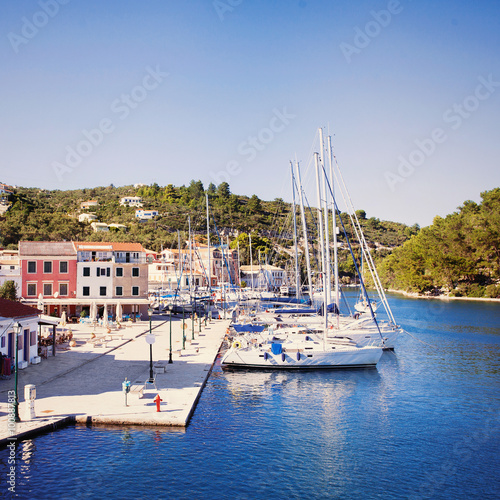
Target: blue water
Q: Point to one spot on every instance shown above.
(424, 424)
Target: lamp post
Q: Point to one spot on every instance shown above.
(17, 330)
(192, 317)
(150, 339)
(199, 318)
(170, 350)
(183, 329)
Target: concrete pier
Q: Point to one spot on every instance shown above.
(83, 384)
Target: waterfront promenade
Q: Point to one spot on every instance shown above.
(84, 383)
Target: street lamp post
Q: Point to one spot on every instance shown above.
(199, 319)
(17, 329)
(183, 330)
(150, 339)
(170, 350)
(192, 317)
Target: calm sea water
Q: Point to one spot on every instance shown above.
(424, 424)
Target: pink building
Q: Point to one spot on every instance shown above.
(48, 271)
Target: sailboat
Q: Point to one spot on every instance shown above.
(324, 339)
(299, 351)
(289, 349)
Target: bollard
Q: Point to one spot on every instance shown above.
(29, 398)
(157, 400)
(126, 389)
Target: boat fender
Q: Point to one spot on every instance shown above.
(283, 356)
(265, 356)
(356, 316)
(298, 356)
(236, 344)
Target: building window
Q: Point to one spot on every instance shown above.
(119, 291)
(47, 288)
(63, 289)
(31, 267)
(31, 290)
(3, 342)
(108, 272)
(86, 291)
(135, 272)
(119, 272)
(47, 267)
(86, 271)
(102, 291)
(33, 338)
(135, 290)
(63, 267)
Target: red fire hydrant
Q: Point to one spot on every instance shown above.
(157, 400)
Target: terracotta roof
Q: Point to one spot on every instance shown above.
(11, 309)
(35, 248)
(114, 246)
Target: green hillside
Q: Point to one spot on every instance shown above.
(37, 214)
(457, 255)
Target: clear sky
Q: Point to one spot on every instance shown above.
(126, 91)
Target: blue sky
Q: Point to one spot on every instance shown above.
(169, 91)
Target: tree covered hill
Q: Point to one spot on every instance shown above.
(457, 255)
(37, 214)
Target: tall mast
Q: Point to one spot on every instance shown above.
(325, 208)
(297, 279)
(179, 261)
(251, 260)
(239, 276)
(334, 231)
(190, 257)
(208, 243)
(321, 242)
(304, 229)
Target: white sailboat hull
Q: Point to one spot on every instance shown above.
(332, 357)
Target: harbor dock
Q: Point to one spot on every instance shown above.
(83, 384)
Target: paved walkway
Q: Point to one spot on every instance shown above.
(85, 382)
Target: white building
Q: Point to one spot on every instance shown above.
(174, 265)
(99, 226)
(131, 201)
(263, 276)
(146, 214)
(111, 270)
(11, 315)
(10, 270)
(91, 204)
(87, 218)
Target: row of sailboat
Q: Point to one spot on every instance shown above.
(299, 338)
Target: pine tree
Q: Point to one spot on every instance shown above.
(8, 290)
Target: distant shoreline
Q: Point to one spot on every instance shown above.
(414, 295)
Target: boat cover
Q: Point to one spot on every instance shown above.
(249, 328)
(276, 348)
